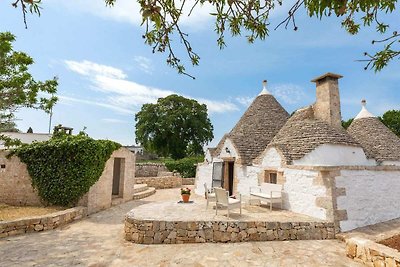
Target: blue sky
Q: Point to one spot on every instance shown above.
(106, 72)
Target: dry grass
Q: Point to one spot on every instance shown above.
(393, 242)
(8, 213)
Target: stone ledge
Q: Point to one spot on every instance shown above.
(161, 182)
(178, 232)
(370, 253)
(41, 223)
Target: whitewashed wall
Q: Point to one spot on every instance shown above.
(300, 193)
(335, 155)
(271, 158)
(371, 197)
(228, 144)
(203, 175)
(207, 156)
(247, 176)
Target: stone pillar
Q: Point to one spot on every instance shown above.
(327, 106)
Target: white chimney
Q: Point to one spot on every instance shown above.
(264, 90)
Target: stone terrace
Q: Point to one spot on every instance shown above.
(98, 241)
(167, 221)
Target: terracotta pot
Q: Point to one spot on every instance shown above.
(185, 198)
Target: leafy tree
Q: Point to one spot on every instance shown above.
(8, 126)
(17, 86)
(346, 124)
(175, 126)
(391, 119)
(162, 18)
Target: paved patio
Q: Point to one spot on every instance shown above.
(167, 208)
(98, 241)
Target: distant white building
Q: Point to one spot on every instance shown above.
(135, 149)
(26, 138)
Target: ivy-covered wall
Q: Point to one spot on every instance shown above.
(63, 169)
(92, 191)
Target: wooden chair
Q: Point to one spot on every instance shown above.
(223, 199)
(209, 195)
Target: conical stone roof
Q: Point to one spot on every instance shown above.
(378, 141)
(256, 128)
(303, 133)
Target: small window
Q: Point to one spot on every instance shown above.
(271, 177)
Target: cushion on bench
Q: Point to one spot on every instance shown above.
(267, 195)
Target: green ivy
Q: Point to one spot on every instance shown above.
(186, 166)
(63, 169)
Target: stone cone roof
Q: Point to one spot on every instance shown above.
(303, 133)
(256, 128)
(378, 141)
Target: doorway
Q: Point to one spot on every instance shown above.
(116, 177)
(229, 169)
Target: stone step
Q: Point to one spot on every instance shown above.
(116, 201)
(150, 191)
(137, 188)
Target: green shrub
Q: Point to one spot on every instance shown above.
(186, 166)
(63, 169)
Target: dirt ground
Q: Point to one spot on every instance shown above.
(8, 213)
(393, 242)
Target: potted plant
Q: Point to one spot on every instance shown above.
(185, 193)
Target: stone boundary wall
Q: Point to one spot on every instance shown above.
(188, 181)
(372, 254)
(174, 232)
(149, 169)
(41, 223)
(164, 181)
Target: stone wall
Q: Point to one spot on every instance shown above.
(149, 169)
(177, 232)
(371, 253)
(160, 182)
(370, 196)
(99, 196)
(300, 193)
(16, 188)
(15, 183)
(188, 181)
(41, 223)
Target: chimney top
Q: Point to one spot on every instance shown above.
(364, 113)
(264, 90)
(327, 75)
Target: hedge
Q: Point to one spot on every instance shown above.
(63, 169)
(186, 166)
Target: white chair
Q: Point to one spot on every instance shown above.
(223, 199)
(209, 195)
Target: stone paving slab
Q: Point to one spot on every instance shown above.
(98, 241)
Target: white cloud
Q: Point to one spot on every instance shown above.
(144, 64)
(217, 106)
(88, 68)
(244, 100)
(67, 100)
(288, 93)
(128, 11)
(126, 96)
